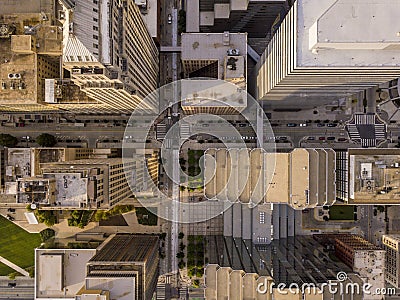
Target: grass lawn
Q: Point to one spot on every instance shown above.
(5, 270)
(16, 244)
(341, 212)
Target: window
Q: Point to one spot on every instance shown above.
(262, 217)
(95, 10)
(95, 19)
(96, 46)
(96, 28)
(96, 37)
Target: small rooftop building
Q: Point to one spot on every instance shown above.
(369, 176)
(220, 56)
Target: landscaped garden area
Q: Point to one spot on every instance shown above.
(195, 256)
(146, 217)
(17, 245)
(192, 168)
(341, 212)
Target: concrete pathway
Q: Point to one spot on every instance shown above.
(14, 266)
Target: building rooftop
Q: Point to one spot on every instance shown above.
(374, 176)
(126, 248)
(60, 273)
(216, 55)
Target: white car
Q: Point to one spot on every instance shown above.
(169, 19)
(303, 124)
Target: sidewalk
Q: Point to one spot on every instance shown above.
(14, 266)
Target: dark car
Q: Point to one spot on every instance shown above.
(330, 138)
(12, 284)
(321, 138)
(320, 125)
(242, 125)
(342, 139)
(11, 218)
(291, 124)
(11, 210)
(311, 138)
(331, 124)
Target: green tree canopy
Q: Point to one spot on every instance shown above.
(46, 140)
(8, 140)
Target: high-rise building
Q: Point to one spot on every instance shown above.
(362, 257)
(391, 244)
(88, 183)
(201, 58)
(302, 178)
(326, 49)
(132, 258)
(123, 267)
(76, 56)
(368, 176)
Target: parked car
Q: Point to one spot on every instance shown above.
(320, 125)
(330, 138)
(12, 284)
(11, 218)
(311, 138)
(321, 138)
(169, 19)
(11, 210)
(342, 139)
(291, 124)
(303, 124)
(331, 124)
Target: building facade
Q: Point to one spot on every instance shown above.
(391, 244)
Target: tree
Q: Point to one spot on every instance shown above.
(47, 234)
(180, 255)
(181, 235)
(8, 140)
(46, 140)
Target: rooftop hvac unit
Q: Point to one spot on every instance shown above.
(76, 71)
(233, 52)
(61, 15)
(142, 3)
(58, 91)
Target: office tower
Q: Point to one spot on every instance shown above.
(326, 49)
(132, 258)
(368, 176)
(31, 44)
(85, 183)
(145, 172)
(124, 267)
(361, 256)
(391, 244)
(302, 178)
(83, 57)
(201, 58)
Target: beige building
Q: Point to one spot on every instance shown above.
(220, 56)
(302, 178)
(369, 176)
(326, 49)
(76, 56)
(89, 183)
(30, 47)
(225, 283)
(391, 244)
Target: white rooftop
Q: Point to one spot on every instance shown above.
(348, 33)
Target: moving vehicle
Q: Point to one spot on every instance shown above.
(169, 19)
